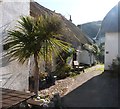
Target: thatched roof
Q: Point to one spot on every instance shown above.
(72, 35)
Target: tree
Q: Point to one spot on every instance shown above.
(35, 37)
(101, 52)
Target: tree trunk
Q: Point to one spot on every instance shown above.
(36, 76)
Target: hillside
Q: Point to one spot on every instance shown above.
(91, 29)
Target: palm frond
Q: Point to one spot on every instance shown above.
(36, 35)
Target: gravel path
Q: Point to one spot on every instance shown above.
(66, 85)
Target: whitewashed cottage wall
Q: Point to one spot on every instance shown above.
(119, 44)
(85, 57)
(14, 75)
(111, 48)
(110, 26)
(0, 41)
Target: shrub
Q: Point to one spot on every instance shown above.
(62, 68)
(63, 72)
(42, 75)
(100, 54)
(72, 74)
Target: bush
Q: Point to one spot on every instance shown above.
(62, 68)
(42, 75)
(100, 55)
(62, 72)
(72, 74)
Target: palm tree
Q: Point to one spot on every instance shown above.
(35, 37)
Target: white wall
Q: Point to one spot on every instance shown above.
(0, 41)
(85, 57)
(11, 11)
(14, 75)
(119, 44)
(111, 48)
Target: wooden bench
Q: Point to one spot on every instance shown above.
(77, 67)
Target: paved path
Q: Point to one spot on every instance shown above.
(84, 77)
(92, 89)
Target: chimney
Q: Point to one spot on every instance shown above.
(70, 19)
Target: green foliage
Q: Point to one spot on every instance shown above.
(62, 68)
(72, 74)
(20, 41)
(91, 48)
(96, 49)
(100, 55)
(42, 75)
(38, 37)
(62, 72)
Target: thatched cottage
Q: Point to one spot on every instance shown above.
(13, 74)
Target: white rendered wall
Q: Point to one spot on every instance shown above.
(0, 42)
(0, 52)
(78, 53)
(86, 58)
(111, 48)
(14, 75)
(119, 44)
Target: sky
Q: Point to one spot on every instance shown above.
(81, 11)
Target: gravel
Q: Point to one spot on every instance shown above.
(68, 84)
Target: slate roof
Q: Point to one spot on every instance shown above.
(73, 34)
(111, 21)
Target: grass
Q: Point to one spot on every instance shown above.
(98, 67)
(101, 68)
(73, 74)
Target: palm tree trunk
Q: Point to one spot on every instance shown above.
(36, 75)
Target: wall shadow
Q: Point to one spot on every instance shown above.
(100, 91)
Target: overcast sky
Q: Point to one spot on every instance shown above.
(82, 11)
